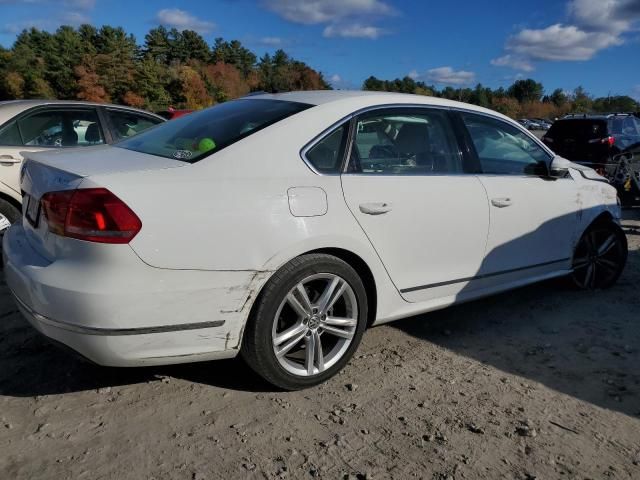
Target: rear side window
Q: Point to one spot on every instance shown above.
(326, 155)
(10, 135)
(197, 135)
(126, 124)
(504, 149)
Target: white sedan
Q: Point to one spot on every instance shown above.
(280, 227)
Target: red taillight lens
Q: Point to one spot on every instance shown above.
(609, 140)
(91, 214)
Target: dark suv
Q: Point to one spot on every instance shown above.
(609, 143)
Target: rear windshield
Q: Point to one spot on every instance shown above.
(193, 137)
(578, 129)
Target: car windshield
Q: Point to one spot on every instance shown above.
(193, 137)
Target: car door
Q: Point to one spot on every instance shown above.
(44, 128)
(406, 185)
(533, 218)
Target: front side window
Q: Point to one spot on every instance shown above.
(404, 142)
(61, 128)
(126, 124)
(504, 149)
(326, 155)
(200, 134)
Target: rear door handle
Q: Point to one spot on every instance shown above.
(501, 202)
(9, 160)
(377, 208)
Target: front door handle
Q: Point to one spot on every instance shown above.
(501, 202)
(9, 160)
(377, 208)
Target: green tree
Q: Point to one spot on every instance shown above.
(234, 53)
(526, 90)
(558, 97)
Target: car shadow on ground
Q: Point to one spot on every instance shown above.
(583, 344)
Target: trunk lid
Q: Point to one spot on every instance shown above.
(61, 170)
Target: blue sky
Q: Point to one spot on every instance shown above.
(562, 43)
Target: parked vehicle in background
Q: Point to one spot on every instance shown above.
(172, 113)
(34, 125)
(543, 123)
(282, 226)
(609, 143)
(529, 124)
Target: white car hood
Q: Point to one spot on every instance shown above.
(101, 160)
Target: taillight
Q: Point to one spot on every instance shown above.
(609, 141)
(91, 214)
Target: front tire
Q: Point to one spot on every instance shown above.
(307, 322)
(600, 256)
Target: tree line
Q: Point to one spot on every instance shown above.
(171, 68)
(180, 69)
(525, 98)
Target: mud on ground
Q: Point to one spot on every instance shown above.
(538, 383)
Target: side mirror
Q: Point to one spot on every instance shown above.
(558, 172)
(559, 167)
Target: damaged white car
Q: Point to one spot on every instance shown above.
(280, 227)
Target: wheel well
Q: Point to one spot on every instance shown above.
(604, 217)
(361, 267)
(11, 200)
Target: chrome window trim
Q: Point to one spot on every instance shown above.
(347, 153)
(319, 138)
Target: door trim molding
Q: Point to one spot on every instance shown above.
(480, 277)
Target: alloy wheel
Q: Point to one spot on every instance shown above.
(315, 324)
(599, 258)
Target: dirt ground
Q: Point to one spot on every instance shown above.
(541, 383)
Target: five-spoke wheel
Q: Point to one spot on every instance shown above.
(315, 324)
(307, 322)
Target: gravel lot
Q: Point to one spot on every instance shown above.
(539, 383)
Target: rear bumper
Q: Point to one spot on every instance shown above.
(117, 311)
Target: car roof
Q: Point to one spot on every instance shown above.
(11, 108)
(367, 98)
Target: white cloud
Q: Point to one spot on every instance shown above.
(335, 78)
(174, 17)
(605, 15)
(449, 76)
(343, 18)
(353, 31)
(81, 4)
(413, 74)
(271, 41)
(635, 92)
(74, 18)
(517, 63)
(324, 11)
(561, 42)
(593, 26)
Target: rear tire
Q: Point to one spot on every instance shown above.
(600, 256)
(306, 323)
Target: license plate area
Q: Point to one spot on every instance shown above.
(32, 210)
